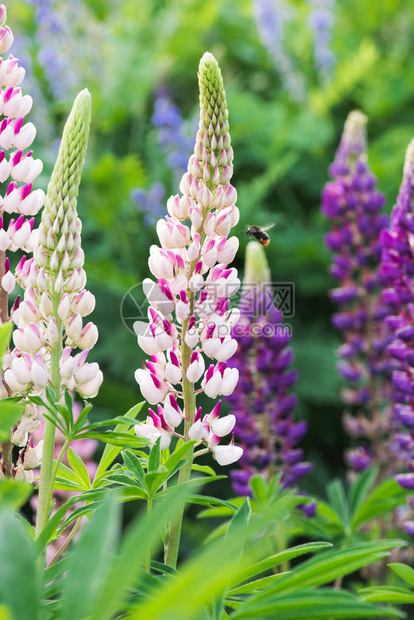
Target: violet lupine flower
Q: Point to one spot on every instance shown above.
(271, 17)
(150, 202)
(354, 205)
(54, 37)
(174, 142)
(397, 268)
(263, 403)
(50, 318)
(194, 284)
(321, 20)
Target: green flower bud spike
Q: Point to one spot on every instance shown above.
(59, 259)
(59, 232)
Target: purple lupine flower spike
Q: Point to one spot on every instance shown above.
(397, 268)
(263, 403)
(354, 206)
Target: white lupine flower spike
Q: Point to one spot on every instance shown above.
(189, 315)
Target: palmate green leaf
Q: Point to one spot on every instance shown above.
(329, 565)
(252, 586)
(359, 489)
(387, 594)
(90, 562)
(18, 579)
(313, 605)
(111, 452)
(280, 558)
(13, 493)
(133, 464)
(10, 411)
(403, 571)
(79, 468)
(386, 497)
(205, 576)
(338, 500)
(141, 538)
(70, 477)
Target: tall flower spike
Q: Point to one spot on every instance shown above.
(397, 267)
(354, 205)
(50, 318)
(19, 203)
(263, 404)
(194, 283)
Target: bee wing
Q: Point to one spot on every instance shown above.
(268, 227)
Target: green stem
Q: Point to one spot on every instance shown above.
(66, 543)
(47, 471)
(171, 555)
(148, 557)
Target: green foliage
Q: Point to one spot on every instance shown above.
(345, 515)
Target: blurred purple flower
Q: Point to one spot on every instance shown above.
(52, 36)
(172, 134)
(354, 205)
(271, 17)
(321, 21)
(150, 202)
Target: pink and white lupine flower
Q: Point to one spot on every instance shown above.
(17, 167)
(50, 319)
(189, 315)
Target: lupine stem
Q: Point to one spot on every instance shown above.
(171, 555)
(48, 472)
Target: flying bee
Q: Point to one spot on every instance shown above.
(259, 233)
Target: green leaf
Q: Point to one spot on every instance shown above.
(90, 562)
(329, 565)
(360, 488)
(18, 579)
(387, 594)
(154, 459)
(134, 465)
(386, 497)
(79, 468)
(403, 571)
(110, 453)
(312, 605)
(279, 558)
(337, 498)
(259, 488)
(140, 539)
(10, 412)
(204, 469)
(14, 494)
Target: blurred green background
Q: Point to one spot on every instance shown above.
(291, 78)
